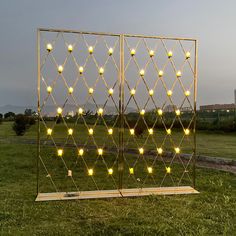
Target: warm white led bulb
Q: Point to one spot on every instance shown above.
(110, 91)
(160, 73)
(168, 131)
(131, 171)
(81, 70)
(187, 131)
(142, 112)
(100, 151)
(49, 47)
(187, 55)
(60, 152)
(142, 72)
(70, 131)
(177, 112)
(159, 150)
(90, 172)
(132, 52)
(110, 131)
(131, 131)
(178, 73)
(110, 51)
(91, 90)
(59, 110)
(101, 70)
(150, 131)
(149, 169)
(151, 92)
(177, 150)
(170, 54)
(187, 93)
(81, 152)
(132, 92)
(100, 111)
(80, 111)
(168, 170)
(90, 131)
(71, 90)
(49, 131)
(49, 89)
(160, 112)
(110, 171)
(90, 49)
(70, 48)
(169, 93)
(141, 150)
(151, 53)
(60, 69)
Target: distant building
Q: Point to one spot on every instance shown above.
(218, 107)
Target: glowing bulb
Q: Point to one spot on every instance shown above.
(132, 92)
(131, 131)
(70, 131)
(187, 131)
(169, 93)
(90, 49)
(177, 150)
(101, 70)
(177, 112)
(60, 69)
(170, 54)
(131, 171)
(110, 131)
(80, 111)
(81, 70)
(90, 131)
(59, 152)
(178, 73)
(168, 170)
(132, 52)
(91, 90)
(70, 90)
(49, 47)
(159, 150)
(110, 91)
(110, 171)
(100, 151)
(151, 92)
(187, 55)
(160, 112)
(151, 53)
(187, 93)
(168, 131)
(150, 131)
(90, 172)
(49, 131)
(142, 72)
(110, 51)
(141, 150)
(49, 89)
(142, 112)
(149, 169)
(70, 48)
(160, 73)
(59, 110)
(81, 152)
(100, 111)
(69, 173)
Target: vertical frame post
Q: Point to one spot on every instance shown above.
(121, 114)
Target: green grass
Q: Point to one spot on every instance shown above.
(212, 212)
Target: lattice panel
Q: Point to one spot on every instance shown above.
(115, 112)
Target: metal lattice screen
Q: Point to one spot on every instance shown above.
(116, 115)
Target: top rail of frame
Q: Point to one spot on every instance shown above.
(113, 34)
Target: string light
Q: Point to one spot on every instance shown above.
(69, 173)
(91, 90)
(161, 73)
(60, 152)
(151, 92)
(178, 73)
(90, 172)
(177, 112)
(80, 111)
(131, 131)
(49, 47)
(70, 48)
(132, 52)
(101, 70)
(90, 49)
(81, 69)
(110, 91)
(132, 92)
(170, 54)
(159, 151)
(70, 131)
(110, 131)
(81, 152)
(187, 131)
(177, 150)
(100, 111)
(110, 51)
(110, 171)
(151, 53)
(59, 110)
(149, 169)
(150, 131)
(100, 151)
(141, 150)
(90, 131)
(168, 170)
(131, 171)
(168, 131)
(160, 112)
(49, 89)
(142, 72)
(49, 131)
(60, 69)
(142, 112)
(169, 93)
(187, 55)
(71, 90)
(187, 93)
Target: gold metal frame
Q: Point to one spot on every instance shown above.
(122, 148)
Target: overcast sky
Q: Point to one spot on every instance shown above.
(213, 23)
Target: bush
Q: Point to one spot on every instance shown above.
(21, 124)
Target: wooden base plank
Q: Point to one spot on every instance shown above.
(134, 192)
